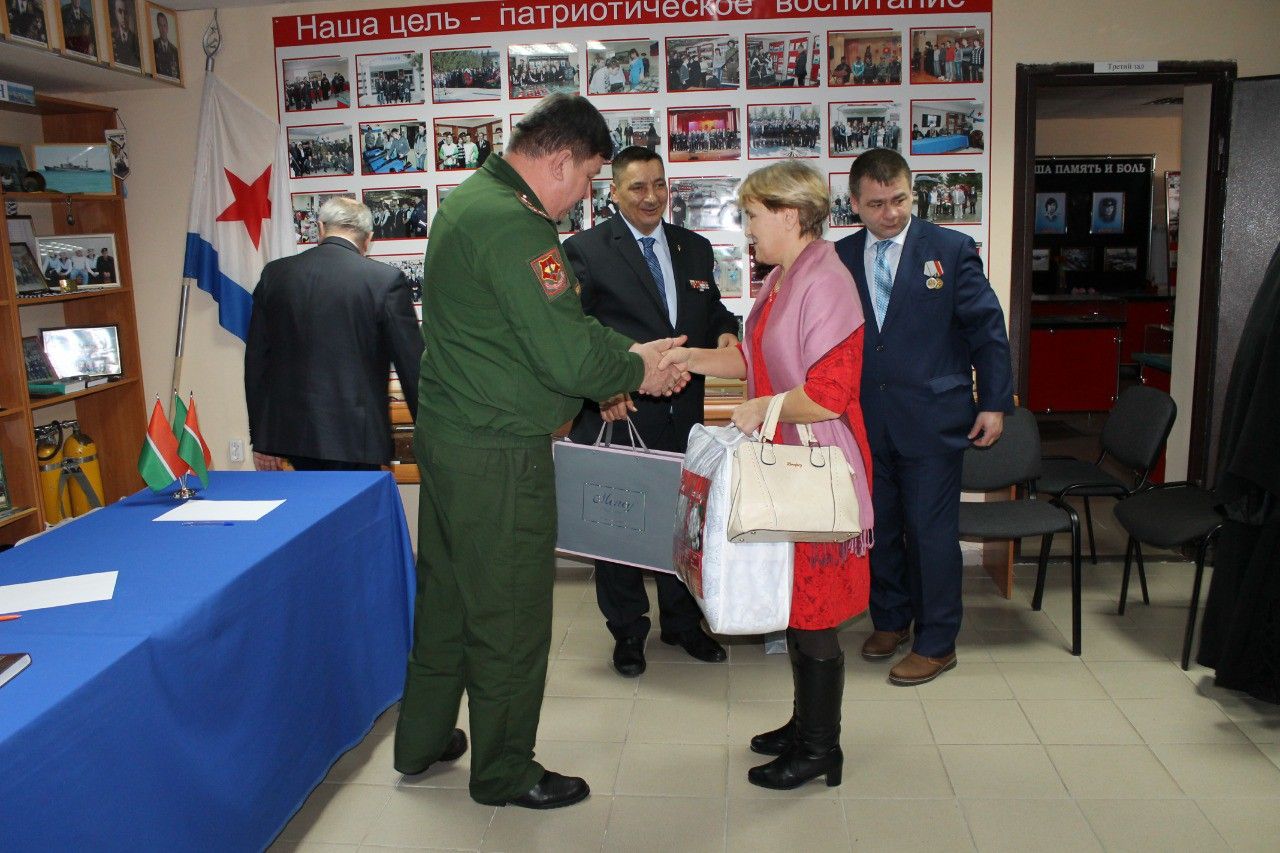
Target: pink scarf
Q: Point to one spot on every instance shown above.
(813, 313)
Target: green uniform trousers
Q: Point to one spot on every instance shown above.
(482, 616)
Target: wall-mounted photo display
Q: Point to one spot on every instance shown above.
(633, 127)
(78, 28)
(162, 30)
(948, 55)
(623, 66)
(757, 272)
(538, 70)
(306, 213)
(465, 142)
(864, 57)
(466, 74)
(13, 166)
(601, 201)
(842, 215)
(389, 79)
(1051, 213)
(442, 191)
(574, 220)
(392, 147)
(1108, 213)
(316, 83)
(703, 63)
(948, 127)
(783, 130)
(1076, 258)
(320, 150)
(783, 60)
(947, 198)
(399, 213)
(26, 22)
(1120, 259)
(858, 126)
(87, 260)
(703, 133)
(84, 168)
(126, 44)
(729, 270)
(704, 204)
(411, 266)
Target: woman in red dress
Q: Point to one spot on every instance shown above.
(804, 340)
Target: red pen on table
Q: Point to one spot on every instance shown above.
(10, 617)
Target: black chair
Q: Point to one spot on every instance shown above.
(1014, 460)
(1171, 515)
(1134, 434)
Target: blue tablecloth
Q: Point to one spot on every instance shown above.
(939, 144)
(198, 708)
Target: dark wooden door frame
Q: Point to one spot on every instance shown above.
(1032, 78)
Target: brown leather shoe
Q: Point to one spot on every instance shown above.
(918, 669)
(884, 644)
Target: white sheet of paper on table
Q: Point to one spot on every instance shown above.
(220, 511)
(56, 592)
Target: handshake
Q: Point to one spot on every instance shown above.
(661, 377)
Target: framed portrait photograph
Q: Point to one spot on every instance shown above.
(466, 74)
(622, 66)
(72, 168)
(389, 79)
(729, 269)
(601, 200)
(13, 166)
(1051, 213)
(27, 275)
(88, 260)
(842, 215)
(703, 63)
(1108, 213)
(703, 133)
(319, 150)
(783, 130)
(391, 147)
(126, 45)
(306, 213)
(704, 204)
(162, 31)
(633, 127)
(859, 126)
(538, 70)
(864, 57)
(783, 60)
(316, 83)
(399, 213)
(1120, 259)
(26, 23)
(1076, 258)
(465, 142)
(78, 26)
(948, 198)
(948, 127)
(948, 55)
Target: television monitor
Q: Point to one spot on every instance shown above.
(83, 350)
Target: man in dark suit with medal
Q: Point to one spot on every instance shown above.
(932, 319)
(648, 279)
(166, 54)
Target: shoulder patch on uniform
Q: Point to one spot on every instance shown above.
(550, 272)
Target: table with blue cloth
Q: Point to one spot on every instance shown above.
(197, 708)
(939, 144)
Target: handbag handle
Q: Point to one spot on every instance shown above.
(770, 426)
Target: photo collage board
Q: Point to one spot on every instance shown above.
(400, 119)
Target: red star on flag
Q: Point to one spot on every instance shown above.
(252, 203)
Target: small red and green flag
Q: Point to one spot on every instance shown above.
(159, 462)
(192, 448)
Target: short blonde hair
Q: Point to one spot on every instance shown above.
(790, 183)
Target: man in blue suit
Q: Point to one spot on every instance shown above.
(932, 318)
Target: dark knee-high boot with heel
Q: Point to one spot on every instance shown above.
(779, 740)
(815, 750)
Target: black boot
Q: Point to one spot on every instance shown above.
(779, 740)
(816, 750)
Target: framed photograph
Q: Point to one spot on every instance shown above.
(703, 63)
(948, 55)
(703, 133)
(27, 273)
(1108, 213)
(6, 503)
(783, 130)
(392, 147)
(26, 22)
(601, 201)
(411, 266)
(78, 168)
(633, 127)
(1051, 213)
(389, 79)
(306, 213)
(442, 192)
(704, 204)
(622, 66)
(859, 126)
(88, 260)
(947, 198)
(466, 74)
(126, 46)
(948, 127)
(465, 142)
(79, 28)
(38, 367)
(316, 83)
(162, 30)
(538, 70)
(842, 215)
(1039, 260)
(399, 213)
(783, 60)
(729, 270)
(1120, 259)
(13, 166)
(320, 150)
(864, 57)
(573, 221)
(1077, 258)
(83, 350)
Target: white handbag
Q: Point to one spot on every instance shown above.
(789, 493)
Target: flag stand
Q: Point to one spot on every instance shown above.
(184, 493)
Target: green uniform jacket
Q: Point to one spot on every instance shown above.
(508, 349)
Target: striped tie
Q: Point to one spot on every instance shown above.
(883, 280)
(651, 258)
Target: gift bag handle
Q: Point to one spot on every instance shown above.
(606, 433)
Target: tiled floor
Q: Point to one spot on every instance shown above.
(1022, 747)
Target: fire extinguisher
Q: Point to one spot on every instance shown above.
(81, 474)
(57, 504)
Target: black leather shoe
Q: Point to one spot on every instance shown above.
(628, 656)
(453, 750)
(697, 644)
(553, 791)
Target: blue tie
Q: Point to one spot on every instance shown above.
(883, 281)
(655, 268)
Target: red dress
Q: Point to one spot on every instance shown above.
(829, 587)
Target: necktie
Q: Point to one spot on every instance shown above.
(655, 268)
(883, 280)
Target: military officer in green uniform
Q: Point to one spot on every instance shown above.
(509, 357)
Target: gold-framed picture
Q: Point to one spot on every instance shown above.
(162, 31)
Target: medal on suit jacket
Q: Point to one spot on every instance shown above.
(699, 284)
(933, 269)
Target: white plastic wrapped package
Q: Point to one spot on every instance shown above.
(742, 587)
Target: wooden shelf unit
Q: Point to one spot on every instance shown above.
(113, 414)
